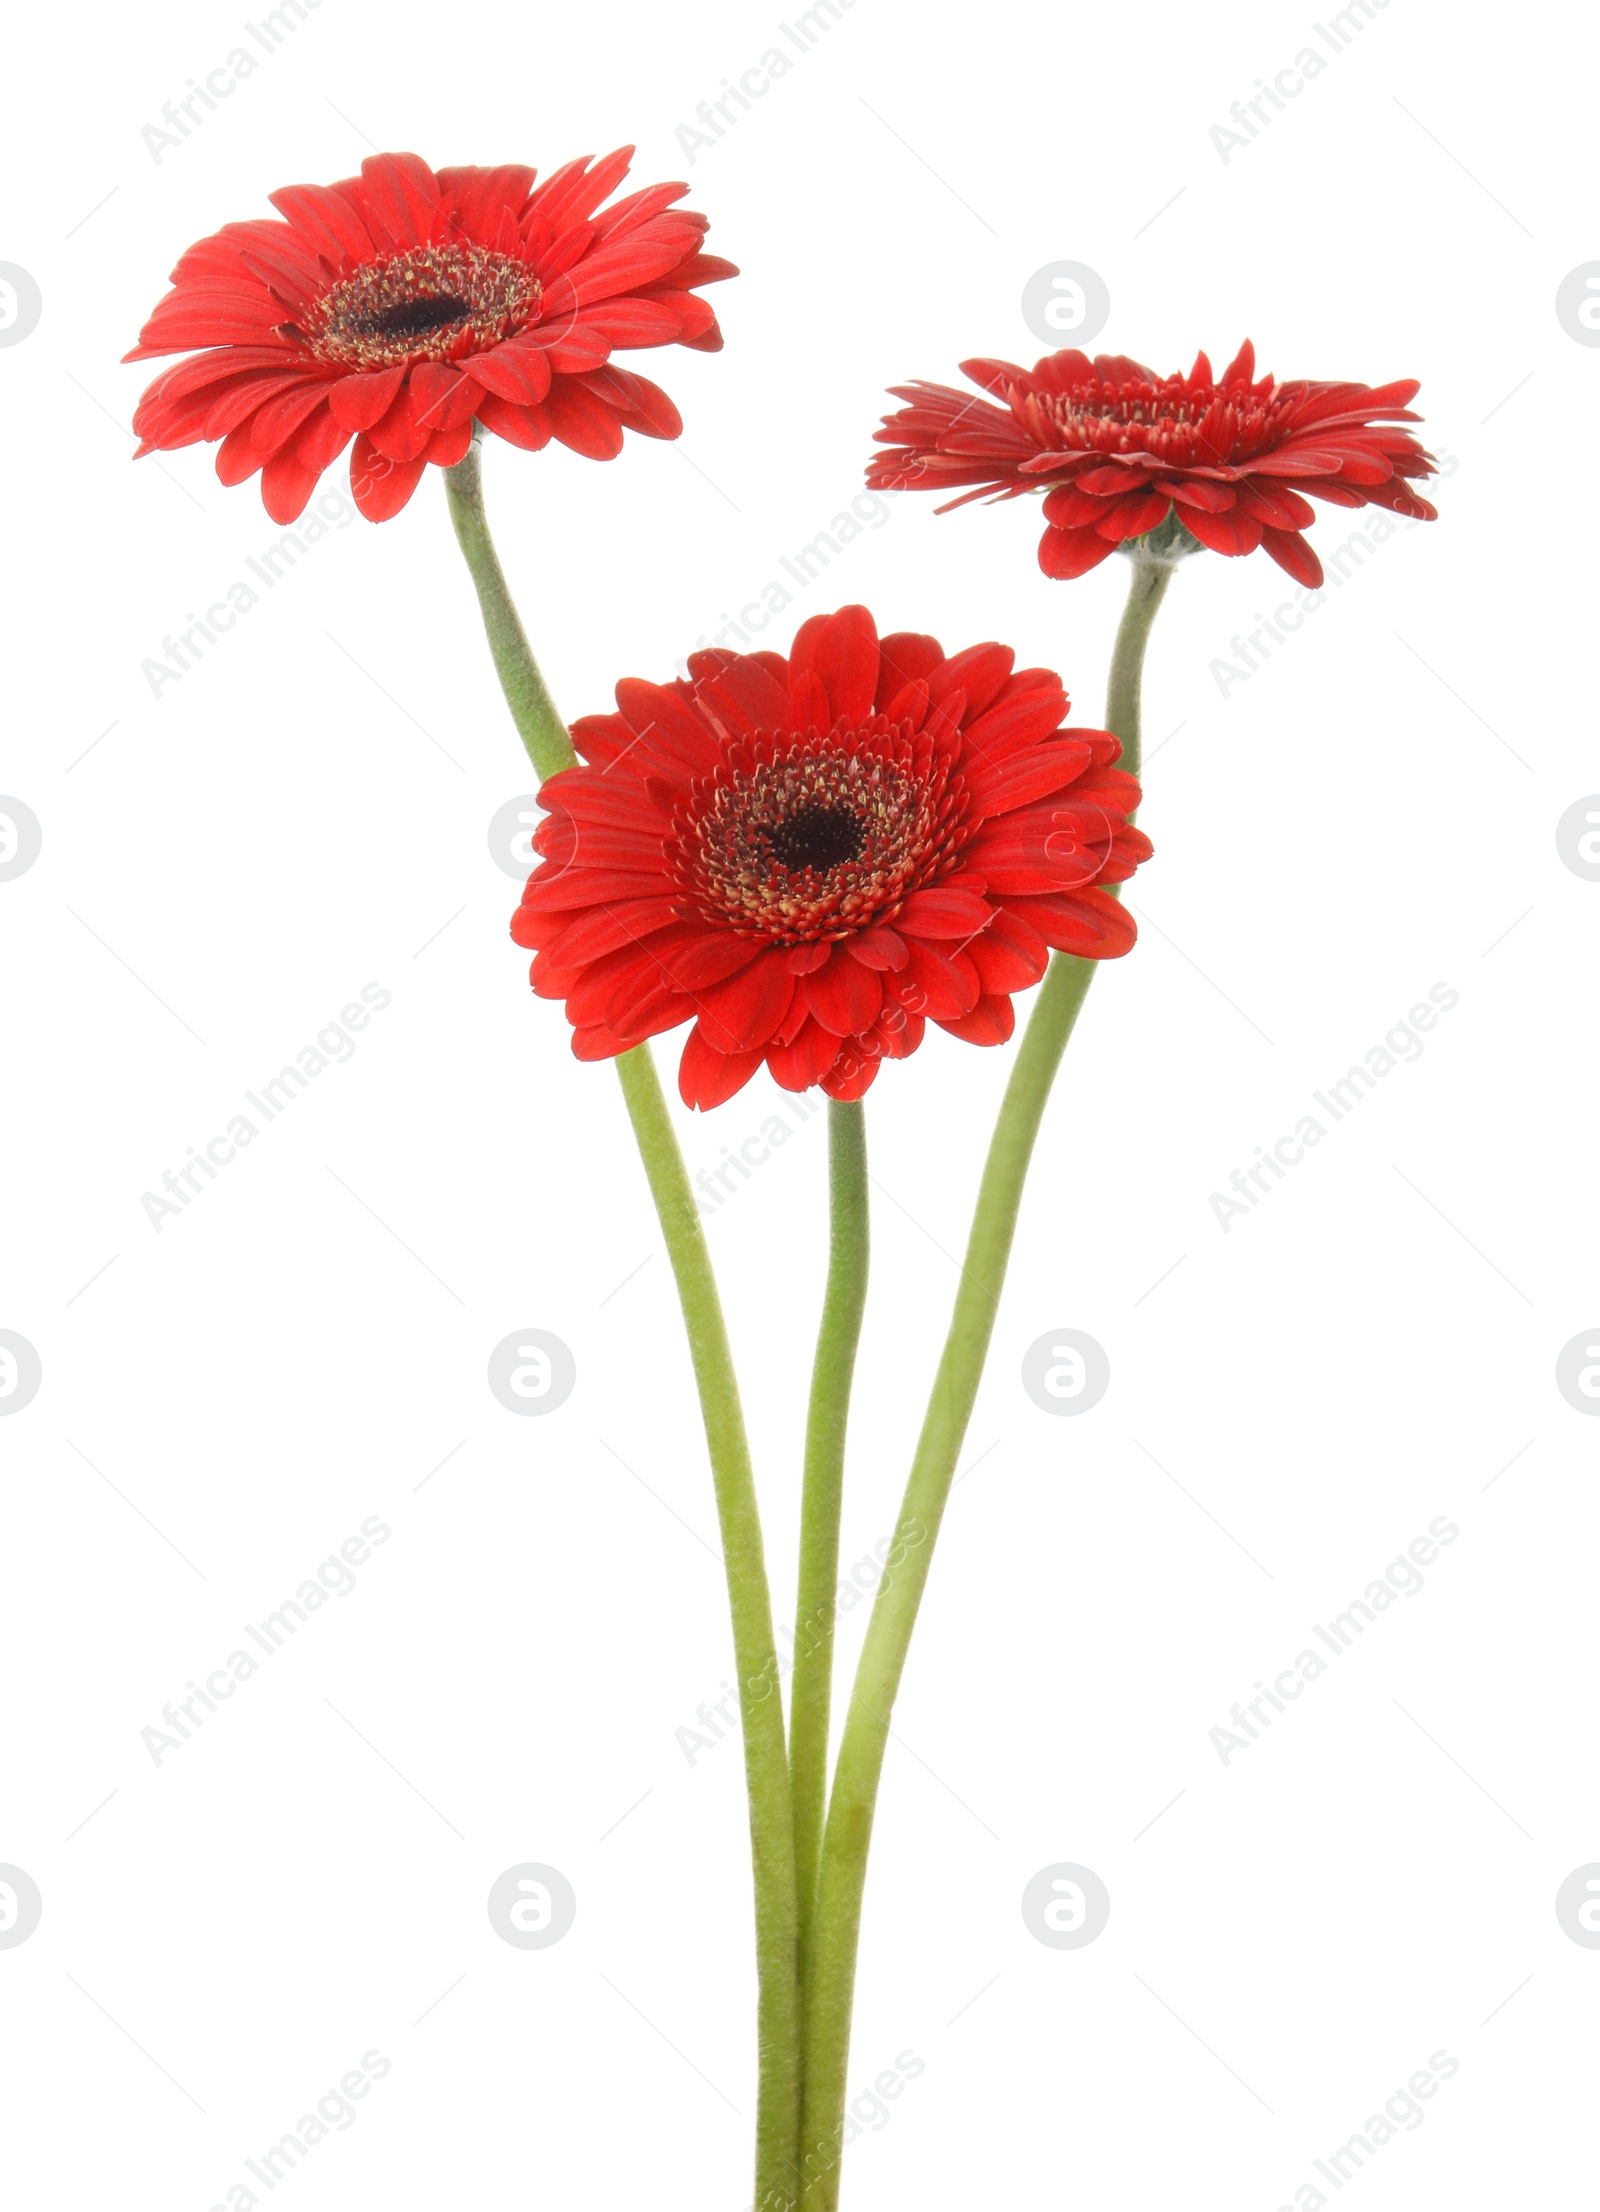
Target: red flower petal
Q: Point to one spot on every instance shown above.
(844, 996)
(676, 736)
(237, 457)
(320, 440)
(879, 948)
(1132, 517)
(1068, 553)
(276, 423)
(1090, 923)
(1021, 775)
(286, 485)
(942, 913)
(742, 698)
(402, 192)
(380, 487)
(639, 404)
(905, 657)
(583, 422)
(480, 195)
(326, 220)
(897, 1032)
(220, 408)
(990, 1022)
(978, 674)
(596, 1042)
(707, 1077)
(1067, 507)
(398, 435)
(937, 983)
(441, 397)
(808, 700)
(514, 372)
(570, 347)
(446, 447)
(848, 661)
(1231, 533)
(528, 427)
(852, 1074)
(1212, 498)
(798, 1065)
(360, 401)
(746, 1011)
(1291, 551)
(1010, 955)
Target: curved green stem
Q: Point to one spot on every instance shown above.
(830, 1982)
(532, 709)
(827, 1419)
(1147, 587)
(755, 1649)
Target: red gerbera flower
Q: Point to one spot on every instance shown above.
(1116, 449)
(811, 858)
(400, 306)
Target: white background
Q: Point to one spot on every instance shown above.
(1371, 813)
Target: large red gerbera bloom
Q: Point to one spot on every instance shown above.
(1116, 449)
(400, 306)
(812, 857)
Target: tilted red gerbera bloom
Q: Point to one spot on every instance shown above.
(400, 306)
(812, 857)
(1116, 449)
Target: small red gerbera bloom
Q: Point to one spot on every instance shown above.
(400, 306)
(812, 857)
(1116, 449)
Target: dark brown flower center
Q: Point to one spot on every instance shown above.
(818, 837)
(418, 318)
(431, 303)
(795, 839)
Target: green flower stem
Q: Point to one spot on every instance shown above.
(831, 1981)
(830, 1984)
(843, 1305)
(755, 1649)
(533, 710)
(1146, 589)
